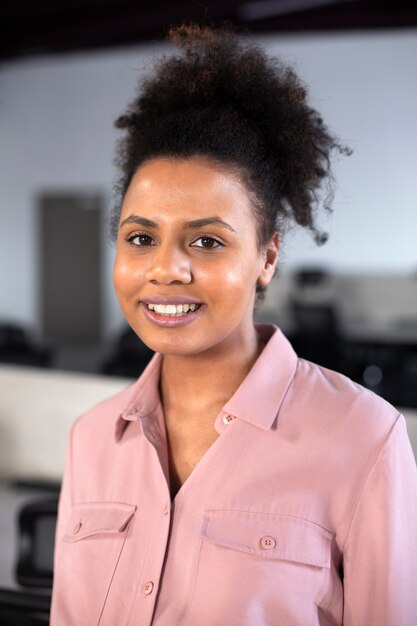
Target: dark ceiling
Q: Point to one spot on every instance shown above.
(51, 26)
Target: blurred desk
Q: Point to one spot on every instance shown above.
(400, 332)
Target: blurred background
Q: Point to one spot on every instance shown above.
(67, 72)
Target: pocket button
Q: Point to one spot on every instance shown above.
(268, 542)
(77, 527)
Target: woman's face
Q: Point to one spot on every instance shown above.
(187, 260)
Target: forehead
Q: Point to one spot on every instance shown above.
(191, 186)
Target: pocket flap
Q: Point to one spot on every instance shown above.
(92, 518)
(270, 536)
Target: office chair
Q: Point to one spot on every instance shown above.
(34, 570)
(316, 334)
(37, 523)
(17, 348)
(129, 357)
(20, 608)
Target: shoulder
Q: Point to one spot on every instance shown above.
(326, 400)
(104, 414)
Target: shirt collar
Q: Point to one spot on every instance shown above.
(144, 397)
(257, 400)
(259, 397)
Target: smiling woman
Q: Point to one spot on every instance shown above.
(232, 483)
(211, 264)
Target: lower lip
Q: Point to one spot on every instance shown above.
(171, 321)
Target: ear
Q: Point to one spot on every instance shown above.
(270, 261)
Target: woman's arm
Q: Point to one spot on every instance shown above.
(380, 554)
(64, 509)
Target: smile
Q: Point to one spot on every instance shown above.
(174, 310)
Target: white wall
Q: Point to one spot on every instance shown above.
(56, 116)
(365, 86)
(56, 129)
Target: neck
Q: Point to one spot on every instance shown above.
(207, 379)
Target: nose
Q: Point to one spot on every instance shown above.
(169, 265)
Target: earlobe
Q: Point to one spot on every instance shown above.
(270, 261)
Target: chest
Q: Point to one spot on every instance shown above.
(187, 443)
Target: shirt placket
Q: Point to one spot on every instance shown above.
(158, 518)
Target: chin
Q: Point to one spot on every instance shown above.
(170, 344)
(173, 344)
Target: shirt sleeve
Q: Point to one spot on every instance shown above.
(64, 509)
(380, 555)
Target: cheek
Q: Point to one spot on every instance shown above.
(234, 281)
(125, 277)
(244, 270)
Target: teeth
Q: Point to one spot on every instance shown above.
(169, 309)
(172, 309)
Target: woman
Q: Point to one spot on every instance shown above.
(233, 483)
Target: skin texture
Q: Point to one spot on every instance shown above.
(216, 265)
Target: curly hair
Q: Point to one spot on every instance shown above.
(222, 97)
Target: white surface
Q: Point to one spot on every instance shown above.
(37, 408)
(56, 116)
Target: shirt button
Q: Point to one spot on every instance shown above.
(77, 528)
(147, 588)
(227, 419)
(267, 543)
(165, 509)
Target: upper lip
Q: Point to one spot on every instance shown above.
(169, 300)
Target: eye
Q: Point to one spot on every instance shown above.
(140, 239)
(207, 242)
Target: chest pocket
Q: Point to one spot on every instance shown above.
(269, 536)
(266, 568)
(89, 554)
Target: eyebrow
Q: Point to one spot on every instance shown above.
(205, 221)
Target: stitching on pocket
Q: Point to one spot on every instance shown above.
(316, 553)
(95, 511)
(127, 526)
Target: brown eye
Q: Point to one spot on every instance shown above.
(207, 242)
(140, 239)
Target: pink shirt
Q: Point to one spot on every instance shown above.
(302, 513)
